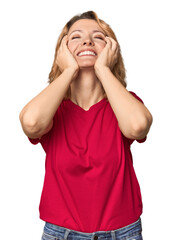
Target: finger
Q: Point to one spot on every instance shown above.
(61, 45)
(64, 41)
(64, 38)
(114, 45)
(116, 56)
(115, 50)
(109, 43)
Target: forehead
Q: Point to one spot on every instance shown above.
(85, 24)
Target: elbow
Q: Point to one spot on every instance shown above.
(141, 129)
(30, 126)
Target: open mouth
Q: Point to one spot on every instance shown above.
(87, 53)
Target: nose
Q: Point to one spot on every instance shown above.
(88, 42)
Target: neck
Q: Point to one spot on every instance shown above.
(86, 89)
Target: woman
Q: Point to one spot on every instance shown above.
(86, 121)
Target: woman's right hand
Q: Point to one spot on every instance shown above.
(65, 59)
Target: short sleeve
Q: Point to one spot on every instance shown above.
(44, 140)
(138, 140)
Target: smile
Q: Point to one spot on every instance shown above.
(86, 53)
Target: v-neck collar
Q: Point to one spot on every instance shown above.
(80, 109)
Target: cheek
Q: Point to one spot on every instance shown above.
(101, 44)
(72, 46)
(101, 47)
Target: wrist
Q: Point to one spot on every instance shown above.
(71, 72)
(101, 69)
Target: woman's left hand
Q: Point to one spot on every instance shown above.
(109, 55)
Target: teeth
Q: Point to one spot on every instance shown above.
(86, 53)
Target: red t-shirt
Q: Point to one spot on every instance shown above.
(90, 183)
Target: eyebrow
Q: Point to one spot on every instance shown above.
(93, 31)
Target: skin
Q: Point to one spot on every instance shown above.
(86, 89)
(87, 76)
(94, 73)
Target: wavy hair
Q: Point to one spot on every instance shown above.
(119, 68)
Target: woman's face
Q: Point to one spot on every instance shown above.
(86, 34)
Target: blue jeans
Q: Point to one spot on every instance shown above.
(130, 232)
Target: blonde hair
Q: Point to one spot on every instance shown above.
(119, 68)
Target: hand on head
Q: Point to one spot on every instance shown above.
(109, 55)
(64, 57)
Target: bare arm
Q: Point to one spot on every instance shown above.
(133, 117)
(37, 116)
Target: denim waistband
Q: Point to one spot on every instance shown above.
(63, 232)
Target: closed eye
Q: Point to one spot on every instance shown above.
(95, 37)
(100, 38)
(75, 37)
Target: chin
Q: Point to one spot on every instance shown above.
(86, 67)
